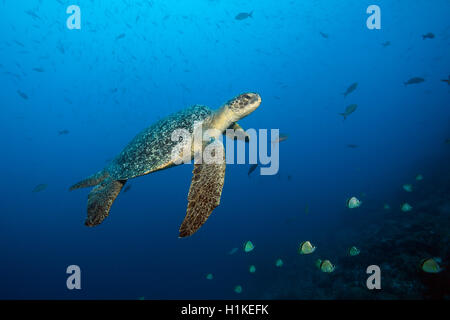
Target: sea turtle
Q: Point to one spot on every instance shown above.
(152, 150)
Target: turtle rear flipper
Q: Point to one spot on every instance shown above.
(91, 181)
(100, 200)
(204, 195)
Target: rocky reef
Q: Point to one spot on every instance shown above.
(394, 240)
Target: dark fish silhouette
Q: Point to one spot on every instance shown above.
(19, 43)
(120, 36)
(61, 48)
(127, 188)
(290, 220)
(448, 80)
(40, 187)
(281, 137)
(244, 15)
(32, 14)
(350, 89)
(252, 168)
(352, 146)
(429, 35)
(414, 80)
(386, 44)
(38, 69)
(62, 132)
(22, 94)
(324, 35)
(349, 110)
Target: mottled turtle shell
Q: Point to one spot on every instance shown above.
(151, 149)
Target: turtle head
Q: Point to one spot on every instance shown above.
(244, 104)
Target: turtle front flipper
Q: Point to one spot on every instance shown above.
(239, 133)
(100, 200)
(204, 194)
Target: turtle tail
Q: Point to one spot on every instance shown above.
(90, 181)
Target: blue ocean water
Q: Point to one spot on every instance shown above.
(72, 99)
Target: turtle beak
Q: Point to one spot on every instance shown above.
(253, 100)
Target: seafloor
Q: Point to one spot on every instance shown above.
(396, 241)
